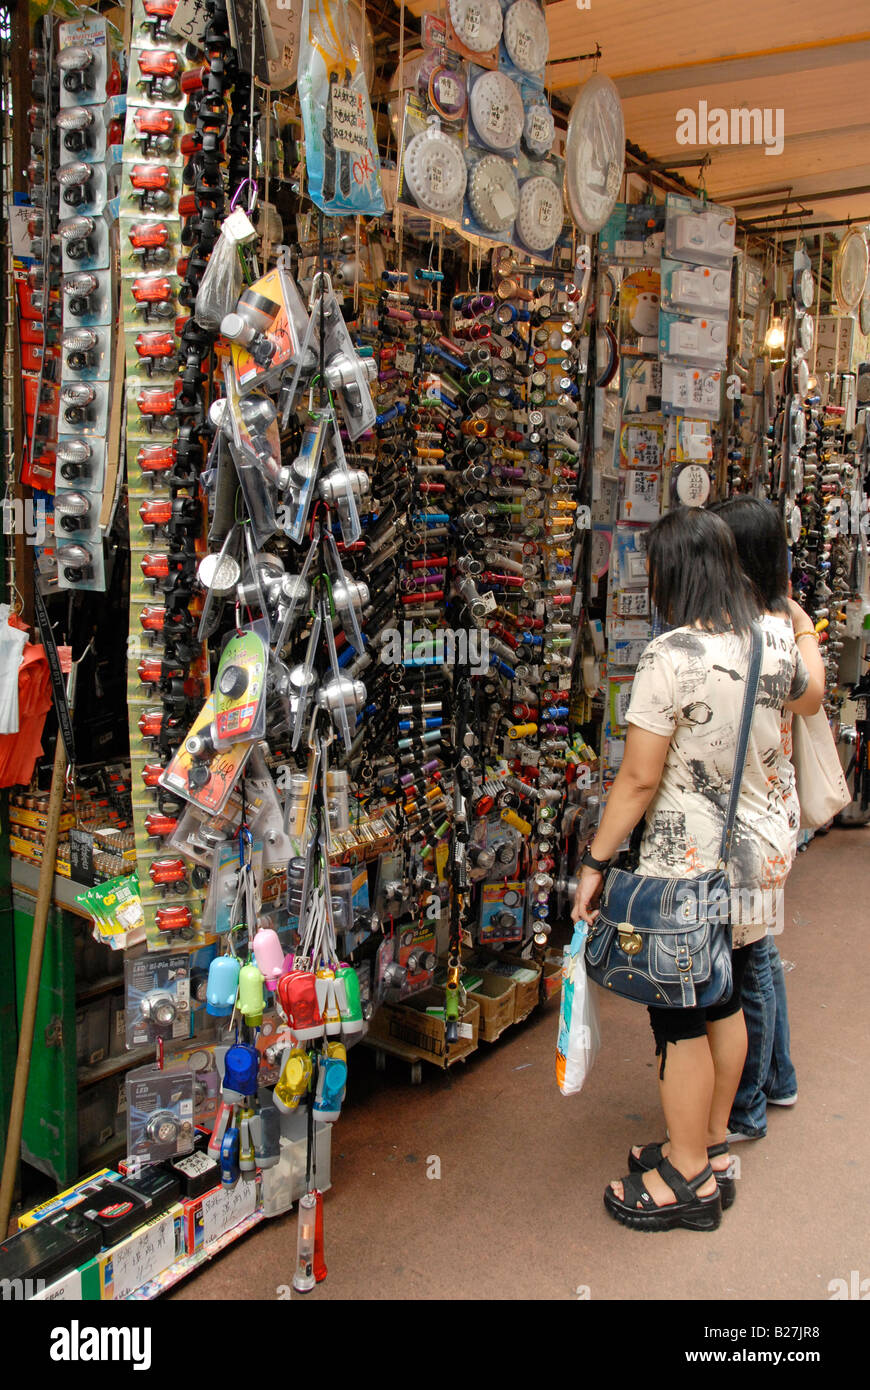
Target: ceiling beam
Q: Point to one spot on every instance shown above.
(745, 67)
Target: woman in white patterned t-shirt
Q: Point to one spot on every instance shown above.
(676, 771)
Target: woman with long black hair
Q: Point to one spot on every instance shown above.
(769, 1076)
(676, 771)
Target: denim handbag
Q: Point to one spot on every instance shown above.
(666, 942)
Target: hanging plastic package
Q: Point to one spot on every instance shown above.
(344, 172)
(221, 284)
(579, 1035)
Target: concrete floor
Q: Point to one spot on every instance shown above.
(517, 1210)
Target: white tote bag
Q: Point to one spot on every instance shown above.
(821, 787)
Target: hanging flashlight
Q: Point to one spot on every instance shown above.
(75, 180)
(76, 398)
(73, 508)
(159, 72)
(152, 183)
(157, 351)
(79, 290)
(76, 122)
(75, 233)
(154, 459)
(153, 295)
(78, 68)
(74, 455)
(157, 16)
(75, 563)
(155, 130)
(303, 1279)
(79, 344)
(149, 241)
(157, 405)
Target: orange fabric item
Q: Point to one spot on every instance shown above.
(19, 752)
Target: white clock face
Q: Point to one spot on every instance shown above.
(865, 313)
(805, 287)
(594, 153)
(850, 276)
(806, 332)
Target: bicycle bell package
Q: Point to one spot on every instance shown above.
(160, 1113)
(342, 160)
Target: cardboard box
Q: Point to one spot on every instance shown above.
(70, 1197)
(26, 849)
(38, 820)
(408, 1025)
(92, 1032)
(528, 992)
(117, 1026)
(496, 999)
(151, 1248)
(210, 1216)
(96, 1114)
(552, 975)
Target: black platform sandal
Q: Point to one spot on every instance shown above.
(651, 1155)
(691, 1211)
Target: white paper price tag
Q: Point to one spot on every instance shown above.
(225, 1209)
(448, 90)
(348, 120)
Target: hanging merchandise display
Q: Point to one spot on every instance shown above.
(352, 390)
(341, 148)
(594, 153)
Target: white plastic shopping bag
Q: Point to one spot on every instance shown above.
(579, 1035)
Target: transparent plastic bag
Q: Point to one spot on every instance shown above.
(579, 1034)
(221, 285)
(344, 172)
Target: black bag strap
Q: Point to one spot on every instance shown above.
(752, 678)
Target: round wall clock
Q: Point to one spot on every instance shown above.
(594, 153)
(850, 271)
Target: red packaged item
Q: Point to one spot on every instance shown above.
(156, 511)
(156, 824)
(174, 919)
(297, 997)
(155, 459)
(153, 617)
(150, 242)
(167, 872)
(157, 350)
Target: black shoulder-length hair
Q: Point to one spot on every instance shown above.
(695, 577)
(759, 531)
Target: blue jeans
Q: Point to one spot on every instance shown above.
(768, 1070)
